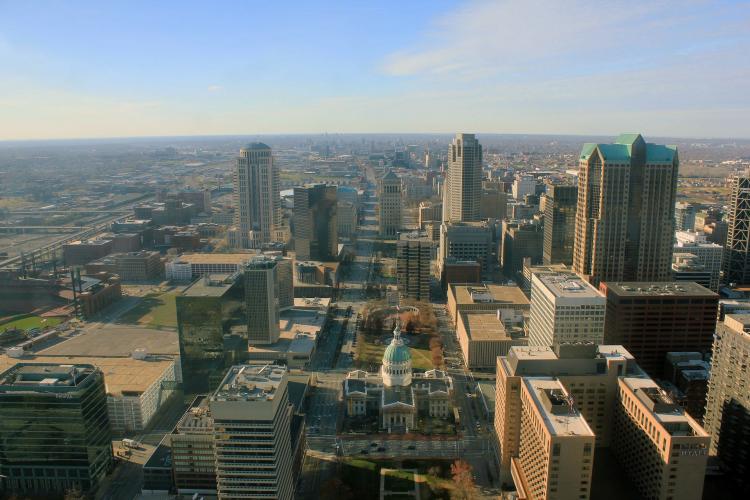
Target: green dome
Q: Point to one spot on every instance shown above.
(396, 352)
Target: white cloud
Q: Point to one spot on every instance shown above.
(215, 88)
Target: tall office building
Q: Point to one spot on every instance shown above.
(710, 255)
(204, 313)
(559, 224)
(520, 240)
(252, 444)
(494, 202)
(625, 214)
(523, 185)
(315, 224)
(727, 416)
(262, 300)
(651, 319)
(661, 450)
(54, 429)
(463, 183)
(256, 195)
(390, 205)
(565, 309)
(466, 241)
(737, 248)
(413, 254)
(684, 216)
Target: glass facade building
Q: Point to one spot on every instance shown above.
(54, 428)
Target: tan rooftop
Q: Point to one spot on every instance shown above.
(551, 401)
(216, 258)
(486, 293)
(484, 326)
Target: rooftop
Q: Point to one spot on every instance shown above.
(122, 376)
(488, 293)
(210, 285)
(669, 414)
(197, 418)
(111, 341)
(250, 383)
(44, 376)
(484, 326)
(622, 150)
(559, 414)
(652, 288)
(215, 258)
(563, 285)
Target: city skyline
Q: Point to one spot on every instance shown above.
(152, 71)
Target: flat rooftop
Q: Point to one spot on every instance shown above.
(215, 258)
(122, 376)
(197, 419)
(652, 288)
(484, 326)
(559, 418)
(116, 341)
(566, 285)
(41, 376)
(489, 293)
(214, 285)
(250, 383)
(669, 414)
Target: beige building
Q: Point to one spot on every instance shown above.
(463, 183)
(625, 215)
(466, 241)
(413, 259)
(390, 205)
(138, 266)
(476, 297)
(483, 337)
(555, 459)
(346, 218)
(624, 408)
(256, 195)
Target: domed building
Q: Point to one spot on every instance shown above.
(397, 395)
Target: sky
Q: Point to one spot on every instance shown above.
(674, 68)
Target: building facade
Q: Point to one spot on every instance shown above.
(559, 224)
(466, 241)
(463, 183)
(256, 195)
(565, 309)
(391, 201)
(262, 300)
(710, 255)
(737, 248)
(413, 259)
(625, 214)
(651, 319)
(315, 223)
(54, 429)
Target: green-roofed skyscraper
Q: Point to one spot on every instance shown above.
(625, 213)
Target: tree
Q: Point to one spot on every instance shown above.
(462, 476)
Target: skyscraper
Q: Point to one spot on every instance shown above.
(559, 224)
(413, 253)
(684, 216)
(463, 184)
(256, 194)
(262, 300)
(737, 249)
(390, 205)
(315, 224)
(54, 429)
(625, 214)
(252, 443)
(727, 416)
(565, 309)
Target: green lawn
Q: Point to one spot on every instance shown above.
(368, 352)
(29, 322)
(154, 310)
(363, 477)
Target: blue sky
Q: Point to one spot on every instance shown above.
(103, 69)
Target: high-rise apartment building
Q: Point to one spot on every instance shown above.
(651, 319)
(710, 255)
(252, 444)
(315, 224)
(256, 195)
(565, 309)
(559, 224)
(413, 254)
(262, 300)
(660, 448)
(391, 202)
(684, 216)
(625, 214)
(463, 183)
(727, 416)
(556, 445)
(54, 429)
(737, 253)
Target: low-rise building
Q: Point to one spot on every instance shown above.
(138, 266)
(487, 297)
(483, 337)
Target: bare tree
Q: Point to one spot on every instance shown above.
(462, 476)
